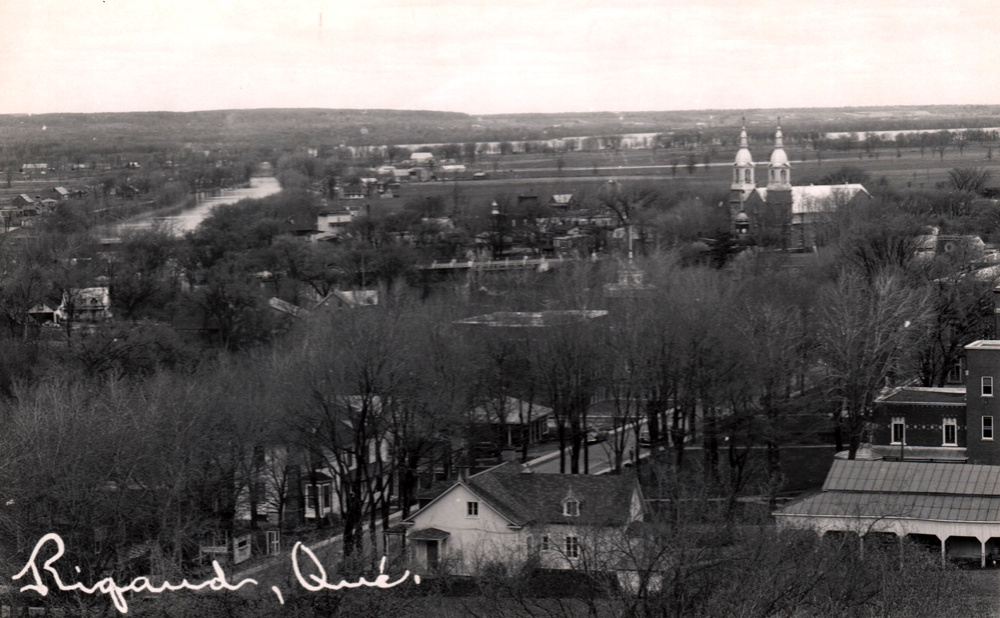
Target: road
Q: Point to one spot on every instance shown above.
(600, 454)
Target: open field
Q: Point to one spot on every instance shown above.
(537, 174)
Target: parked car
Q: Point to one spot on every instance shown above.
(485, 452)
(480, 175)
(596, 435)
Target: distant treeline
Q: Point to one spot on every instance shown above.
(265, 134)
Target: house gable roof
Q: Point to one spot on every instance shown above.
(525, 498)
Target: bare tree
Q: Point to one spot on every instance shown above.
(865, 336)
(969, 179)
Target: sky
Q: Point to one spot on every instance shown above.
(498, 56)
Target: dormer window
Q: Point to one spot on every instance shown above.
(571, 507)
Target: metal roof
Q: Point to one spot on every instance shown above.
(909, 506)
(926, 396)
(895, 477)
(910, 490)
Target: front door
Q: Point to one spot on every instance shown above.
(432, 555)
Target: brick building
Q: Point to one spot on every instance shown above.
(944, 424)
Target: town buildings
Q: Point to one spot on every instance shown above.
(931, 473)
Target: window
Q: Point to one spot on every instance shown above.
(571, 508)
(273, 542)
(326, 495)
(572, 547)
(472, 509)
(987, 386)
(746, 175)
(546, 544)
(950, 430)
(987, 428)
(898, 430)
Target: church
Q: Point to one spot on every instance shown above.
(782, 215)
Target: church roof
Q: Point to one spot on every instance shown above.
(819, 198)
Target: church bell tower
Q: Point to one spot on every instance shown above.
(743, 175)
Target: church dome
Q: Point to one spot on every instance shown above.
(742, 218)
(743, 157)
(779, 158)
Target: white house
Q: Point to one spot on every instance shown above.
(85, 305)
(422, 158)
(509, 515)
(332, 224)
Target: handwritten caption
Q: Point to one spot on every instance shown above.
(313, 582)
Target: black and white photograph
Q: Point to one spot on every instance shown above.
(500, 309)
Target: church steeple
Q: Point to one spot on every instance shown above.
(743, 174)
(779, 170)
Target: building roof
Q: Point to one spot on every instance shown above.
(819, 198)
(524, 498)
(286, 307)
(912, 477)
(944, 396)
(429, 534)
(511, 409)
(912, 490)
(908, 506)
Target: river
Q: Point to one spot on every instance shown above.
(189, 218)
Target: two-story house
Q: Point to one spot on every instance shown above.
(509, 515)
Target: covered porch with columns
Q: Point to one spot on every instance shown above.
(953, 507)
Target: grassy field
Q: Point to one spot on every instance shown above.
(584, 172)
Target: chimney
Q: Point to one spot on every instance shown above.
(463, 473)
